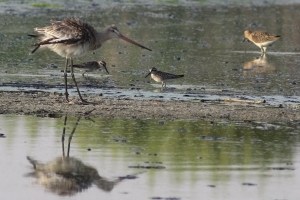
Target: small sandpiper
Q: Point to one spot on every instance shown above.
(261, 39)
(92, 66)
(160, 76)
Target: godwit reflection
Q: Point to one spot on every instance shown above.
(68, 175)
(258, 65)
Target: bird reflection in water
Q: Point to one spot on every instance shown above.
(68, 175)
(258, 65)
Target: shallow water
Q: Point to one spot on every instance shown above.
(159, 159)
(204, 42)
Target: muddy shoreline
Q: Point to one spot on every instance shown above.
(49, 104)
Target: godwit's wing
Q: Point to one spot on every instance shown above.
(68, 31)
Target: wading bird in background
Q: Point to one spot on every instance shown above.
(71, 38)
(161, 77)
(92, 66)
(261, 39)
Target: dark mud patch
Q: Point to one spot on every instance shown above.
(147, 167)
(249, 184)
(165, 198)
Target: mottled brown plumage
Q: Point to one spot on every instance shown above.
(261, 39)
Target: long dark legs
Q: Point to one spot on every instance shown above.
(66, 81)
(73, 77)
(63, 137)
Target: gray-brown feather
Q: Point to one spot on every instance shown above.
(67, 31)
(263, 37)
(165, 75)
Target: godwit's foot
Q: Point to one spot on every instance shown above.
(75, 101)
(84, 102)
(67, 96)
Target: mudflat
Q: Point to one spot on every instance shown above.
(51, 104)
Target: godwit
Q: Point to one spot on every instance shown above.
(261, 39)
(91, 66)
(71, 38)
(160, 76)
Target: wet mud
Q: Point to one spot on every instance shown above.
(52, 104)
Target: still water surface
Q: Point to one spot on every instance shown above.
(155, 159)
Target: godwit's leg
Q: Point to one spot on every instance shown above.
(73, 77)
(66, 82)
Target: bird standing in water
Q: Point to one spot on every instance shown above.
(71, 38)
(91, 66)
(261, 39)
(160, 76)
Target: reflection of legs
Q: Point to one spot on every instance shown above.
(163, 85)
(66, 82)
(71, 135)
(63, 137)
(73, 77)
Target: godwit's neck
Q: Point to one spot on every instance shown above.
(101, 38)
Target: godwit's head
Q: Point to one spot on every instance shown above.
(153, 69)
(113, 32)
(102, 64)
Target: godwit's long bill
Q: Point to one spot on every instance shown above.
(71, 38)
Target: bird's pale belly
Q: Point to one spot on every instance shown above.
(156, 78)
(69, 51)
